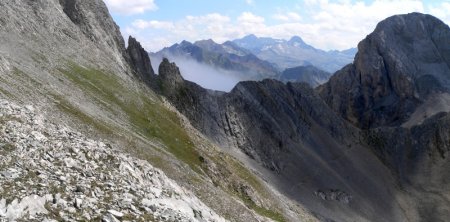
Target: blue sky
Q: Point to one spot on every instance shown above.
(325, 24)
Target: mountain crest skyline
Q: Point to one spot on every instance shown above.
(253, 37)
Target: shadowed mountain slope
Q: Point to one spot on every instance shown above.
(312, 155)
(307, 140)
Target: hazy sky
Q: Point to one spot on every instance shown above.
(325, 24)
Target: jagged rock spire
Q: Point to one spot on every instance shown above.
(140, 61)
(170, 73)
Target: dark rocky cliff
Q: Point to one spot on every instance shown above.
(401, 70)
(406, 59)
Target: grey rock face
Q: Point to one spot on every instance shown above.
(140, 60)
(406, 59)
(418, 156)
(170, 76)
(93, 19)
(334, 195)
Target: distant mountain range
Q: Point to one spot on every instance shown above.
(255, 58)
(295, 52)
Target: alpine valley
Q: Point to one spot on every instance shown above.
(93, 129)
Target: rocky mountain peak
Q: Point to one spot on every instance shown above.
(205, 42)
(209, 45)
(140, 60)
(397, 67)
(412, 47)
(169, 73)
(184, 42)
(296, 39)
(250, 37)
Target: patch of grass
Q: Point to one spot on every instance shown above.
(39, 58)
(269, 213)
(19, 73)
(148, 118)
(247, 176)
(274, 215)
(7, 148)
(5, 119)
(5, 93)
(67, 107)
(249, 179)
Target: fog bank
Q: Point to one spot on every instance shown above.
(205, 75)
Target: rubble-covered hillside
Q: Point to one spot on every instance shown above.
(53, 173)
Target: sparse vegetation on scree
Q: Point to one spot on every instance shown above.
(151, 120)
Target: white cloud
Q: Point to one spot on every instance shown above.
(323, 24)
(287, 17)
(131, 7)
(142, 24)
(310, 2)
(342, 25)
(250, 2)
(209, 18)
(442, 11)
(250, 18)
(191, 28)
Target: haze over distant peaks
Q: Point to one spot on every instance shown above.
(216, 66)
(255, 58)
